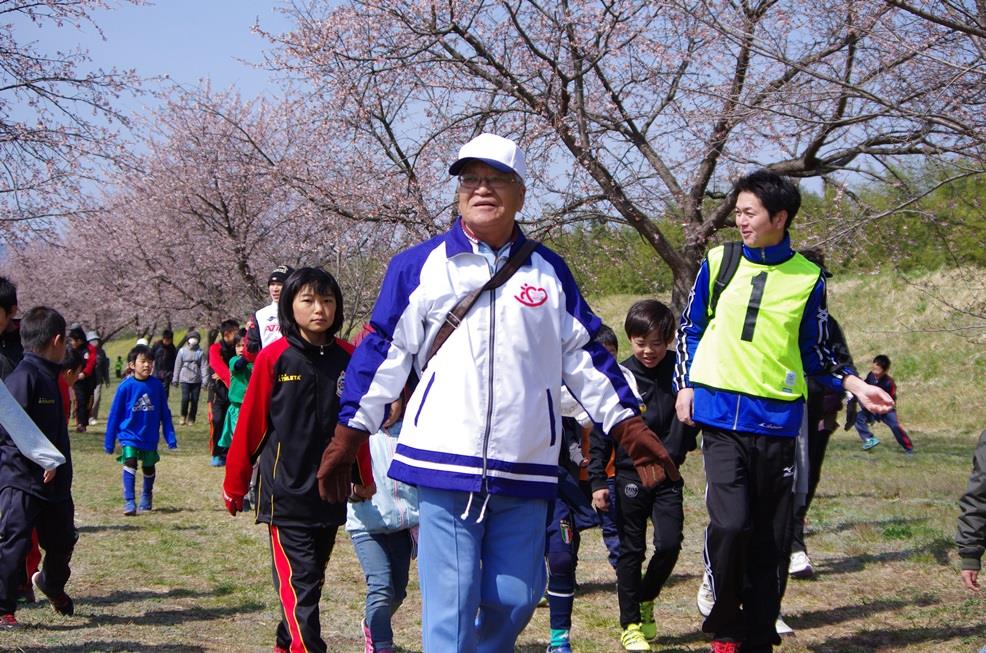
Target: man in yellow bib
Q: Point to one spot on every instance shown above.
(744, 352)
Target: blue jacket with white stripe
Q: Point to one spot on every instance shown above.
(745, 413)
(485, 415)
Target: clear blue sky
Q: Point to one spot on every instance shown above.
(188, 40)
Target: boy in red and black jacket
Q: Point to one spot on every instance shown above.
(287, 419)
(879, 377)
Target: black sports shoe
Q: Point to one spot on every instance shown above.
(60, 603)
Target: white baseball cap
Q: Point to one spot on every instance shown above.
(495, 151)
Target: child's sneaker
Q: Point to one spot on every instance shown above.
(704, 599)
(129, 507)
(216, 461)
(634, 640)
(146, 504)
(8, 621)
(647, 625)
(60, 603)
(559, 642)
(367, 638)
(724, 647)
(800, 565)
(783, 630)
(870, 443)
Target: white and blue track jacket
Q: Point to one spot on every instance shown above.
(485, 415)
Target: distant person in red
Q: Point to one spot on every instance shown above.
(264, 327)
(220, 352)
(879, 377)
(86, 380)
(288, 417)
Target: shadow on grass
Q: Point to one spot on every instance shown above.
(609, 587)
(678, 579)
(685, 639)
(115, 645)
(832, 616)
(131, 596)
(168, 617)
(136, 524)
(596, 587)
(937, 548)
(107, 527)
(843, 526)
(892, 639)
(179, 616)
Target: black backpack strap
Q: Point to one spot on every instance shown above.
(727, 268)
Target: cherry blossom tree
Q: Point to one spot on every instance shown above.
(188, 231)
(57, 119)
(641, 113)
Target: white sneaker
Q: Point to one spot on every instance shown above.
(92, 421)
(800, 565)
(704, 599)
(783, 630)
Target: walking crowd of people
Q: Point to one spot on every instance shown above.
(480, 422)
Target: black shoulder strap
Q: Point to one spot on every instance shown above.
(727, 268)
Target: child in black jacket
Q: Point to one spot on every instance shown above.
(650, 325)
(287, 418)
(32, 497)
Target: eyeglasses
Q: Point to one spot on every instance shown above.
(498, 182)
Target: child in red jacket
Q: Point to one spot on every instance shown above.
(287, 418)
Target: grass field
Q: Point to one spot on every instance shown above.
(188, 577)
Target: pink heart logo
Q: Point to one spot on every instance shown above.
(531, 296)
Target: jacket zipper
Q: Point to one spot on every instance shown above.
(489, 397)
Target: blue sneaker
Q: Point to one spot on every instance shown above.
(129, 507)
(560, 648)
(217, 461)
(870, 443)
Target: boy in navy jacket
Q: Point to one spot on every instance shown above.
(139, 414)
(32, 497)
(879, 377)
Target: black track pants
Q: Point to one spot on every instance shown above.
(299, 556)
(749, 498)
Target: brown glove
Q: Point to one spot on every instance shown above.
(335, 470)
(650, 458)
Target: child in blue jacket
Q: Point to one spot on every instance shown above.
(383, 530)
(139, 413)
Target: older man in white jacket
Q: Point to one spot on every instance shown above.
(482, 430)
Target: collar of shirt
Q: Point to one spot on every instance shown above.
(494, 258)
